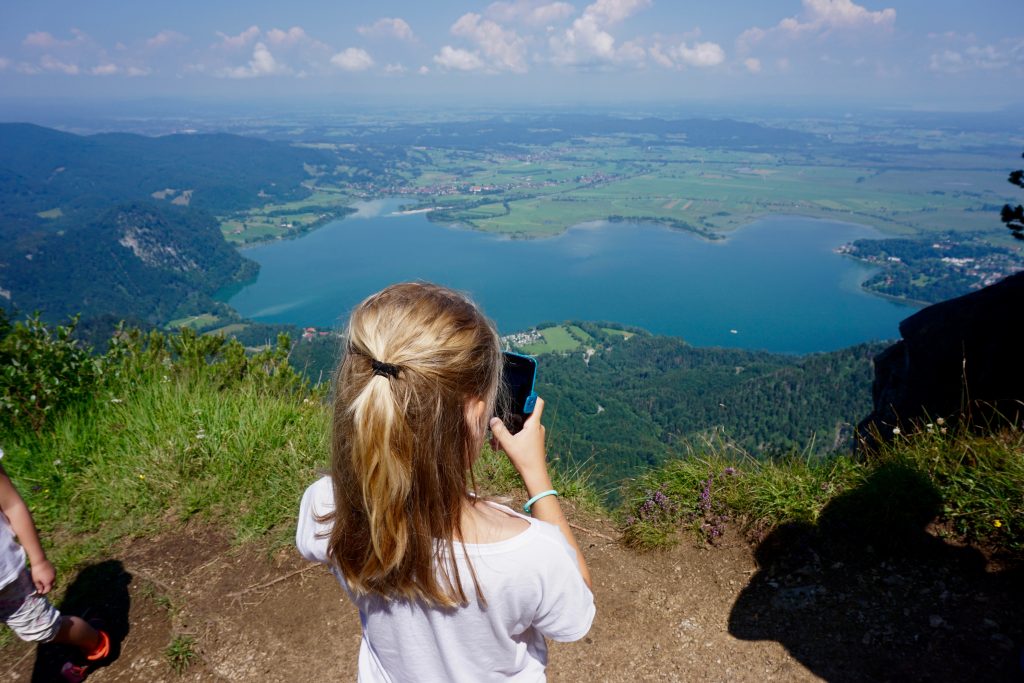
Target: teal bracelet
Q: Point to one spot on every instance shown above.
(542, 494)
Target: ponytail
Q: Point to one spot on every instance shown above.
(381, 461)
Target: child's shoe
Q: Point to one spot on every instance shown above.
(74, 673)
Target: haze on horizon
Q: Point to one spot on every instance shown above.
(943, 54)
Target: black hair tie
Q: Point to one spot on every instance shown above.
(384, 369)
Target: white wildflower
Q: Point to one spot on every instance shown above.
(940, 421)
(896, 431)
(116, 400)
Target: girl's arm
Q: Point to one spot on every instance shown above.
(527, 453)
(24, 528)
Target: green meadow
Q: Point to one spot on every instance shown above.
(548, 189)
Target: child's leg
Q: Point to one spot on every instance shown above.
(75, 631)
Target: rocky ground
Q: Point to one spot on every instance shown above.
(786, 609)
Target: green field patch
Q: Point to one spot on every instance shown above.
(195, 322)
(51, 213)
(579, 334)
(228, 330)
(620, 333)
(277, 220)
(557, 339)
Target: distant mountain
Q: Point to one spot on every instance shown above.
(43, 169)
(123, 224)
(549, 129)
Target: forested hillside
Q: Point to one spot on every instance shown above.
(124, 224)
(140, 260)
(634, 401)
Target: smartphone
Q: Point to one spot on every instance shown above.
(517, 396)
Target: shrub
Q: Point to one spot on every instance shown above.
(42, 372)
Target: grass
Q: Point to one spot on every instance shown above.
(562, 339)
(976, 481)
(557, 339)
(273, 221)
(711, 188)
(180, 653)
(194, 321)
(174, 447)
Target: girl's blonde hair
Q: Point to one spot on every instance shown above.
(401, 445)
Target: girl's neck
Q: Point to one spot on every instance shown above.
(483, 523)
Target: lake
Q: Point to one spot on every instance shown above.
(776, 284)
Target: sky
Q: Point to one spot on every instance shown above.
(948, 54)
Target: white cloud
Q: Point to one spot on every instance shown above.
(705, 54)
(963, 53)
(241, 40)
(701, 54)
(819, 18)
(49, 63)
(105, 69)
(4, 63)
(394, 69)
(27, 69)
(588, 41)
(166, 37)
(844, 13)
(457, 59)
(135, 71)
(293, 36)
(352, 59)
(39, 39)
(659, 56)
(504, 49)
(423, 70)
(45, 40)
(752, 64)
(530, 12)
(977, 57)
(388, 27)
(261, 64)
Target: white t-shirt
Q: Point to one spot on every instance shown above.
(533, 589)
(12, 555)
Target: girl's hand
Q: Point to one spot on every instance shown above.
(526, 449)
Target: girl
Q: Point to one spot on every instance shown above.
(449, 586)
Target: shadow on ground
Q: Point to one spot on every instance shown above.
(868, 594)
(99, 591)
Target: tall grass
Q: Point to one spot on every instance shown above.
(169, 449)
(713, 485)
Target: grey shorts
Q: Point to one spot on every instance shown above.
(29, 614)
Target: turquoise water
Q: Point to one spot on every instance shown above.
(776, 282)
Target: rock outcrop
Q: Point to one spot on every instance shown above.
(959, 358)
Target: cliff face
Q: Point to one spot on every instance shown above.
(962, 356)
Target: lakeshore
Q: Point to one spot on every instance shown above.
(778, 280)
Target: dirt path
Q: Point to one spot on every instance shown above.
(257, 615)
